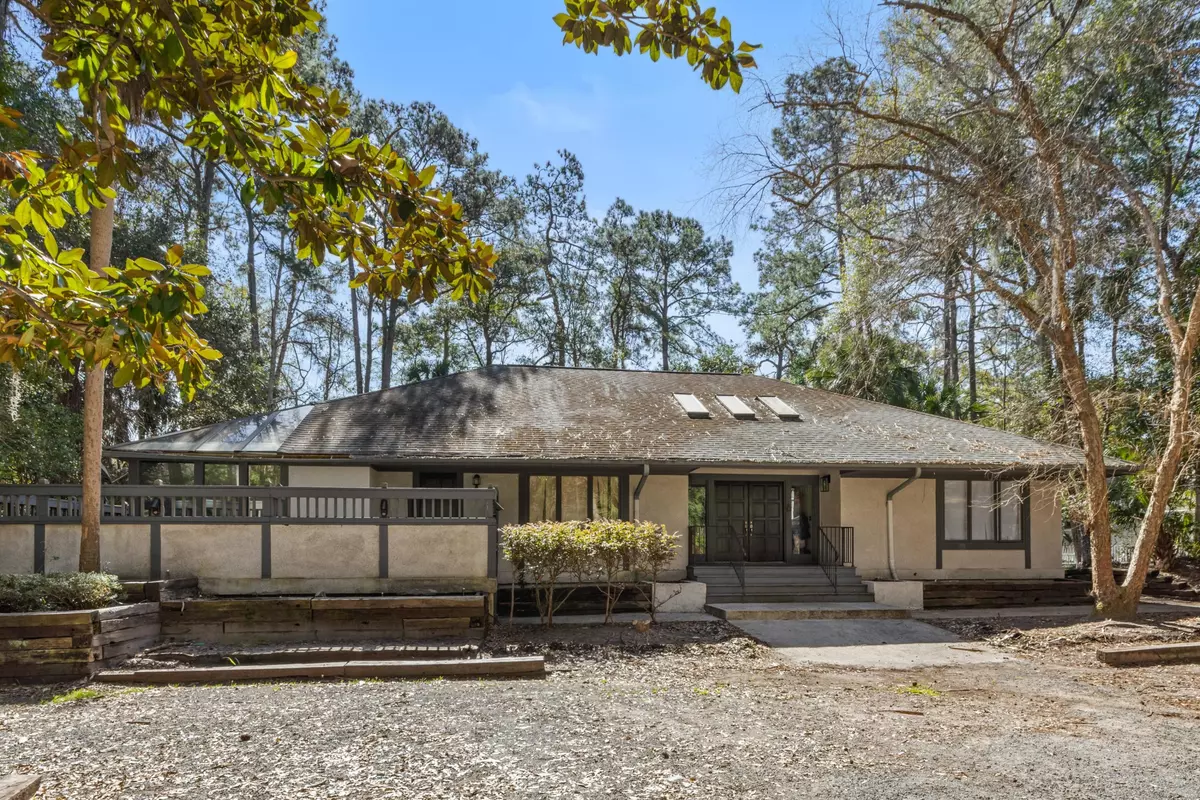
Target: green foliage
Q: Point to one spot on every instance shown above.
(67, 591)
(616, 553)
(39, 435)
(671, 28)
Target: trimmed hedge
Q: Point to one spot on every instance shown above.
(617, 554)
(67, 591)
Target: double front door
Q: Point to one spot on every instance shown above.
(748, 521)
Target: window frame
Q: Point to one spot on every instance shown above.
(524, 488)
(969, 543)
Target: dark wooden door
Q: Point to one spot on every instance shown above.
(764, 522)
(729, 519)
(748, 518)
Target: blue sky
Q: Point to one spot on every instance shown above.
(643, 131)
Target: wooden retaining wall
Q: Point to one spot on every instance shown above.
(268, 619)
(1000, 593)
(62, 645)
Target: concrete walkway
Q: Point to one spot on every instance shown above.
(868, 643)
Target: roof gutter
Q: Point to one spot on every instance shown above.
(891, 543)
(637, 491)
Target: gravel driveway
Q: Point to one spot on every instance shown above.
(692, 711)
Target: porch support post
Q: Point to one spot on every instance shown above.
(39, 548)
(266, 550)
(155, 551)
(383, 550)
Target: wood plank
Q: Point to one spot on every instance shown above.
(247, 672)
(524, 666)
(47, 673)
(1150, 654)
(45, 632)
(268, 626)
(123, 649)
(256, 610)
(71, 655)
(52, 643)
(194, 631)
(457, 602)
(38, 619)
(127, 634)
(109, 625)
(130, 610)
(19, 787)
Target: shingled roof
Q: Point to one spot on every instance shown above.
(525, 413)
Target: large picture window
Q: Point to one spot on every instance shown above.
(983, 511)
(574, 497)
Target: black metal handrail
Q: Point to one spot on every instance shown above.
(834, 550)
(218, 504)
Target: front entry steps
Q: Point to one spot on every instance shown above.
(780, 583)
(793, 611)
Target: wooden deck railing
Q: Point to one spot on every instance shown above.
(225, 504)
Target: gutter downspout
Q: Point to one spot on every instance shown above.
(891, 545)
(637, 491)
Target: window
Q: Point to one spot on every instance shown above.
(171, 473)
(698, 518)
(983, 511)
(606, 497)
(572, 497)
(220, 474)
(266, 475)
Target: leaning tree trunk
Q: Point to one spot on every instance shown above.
(93, 409)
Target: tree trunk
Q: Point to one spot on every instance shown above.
(358, 361)
(252, 281)
(208, 178)
(100, 256)
(949, 332)
(972, 374)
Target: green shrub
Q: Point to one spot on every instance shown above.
(615, 553)
(68, 591)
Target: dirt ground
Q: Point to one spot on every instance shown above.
(687, 710)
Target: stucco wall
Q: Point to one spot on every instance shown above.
(394, 480)
(665, 501)
(212, 551)
(437, 551)
(16, 549)
(327, 551)
(864, 507)
(830, 503)
(343, 477)
(62, 548)
(125, 550)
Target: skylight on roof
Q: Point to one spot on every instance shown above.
(692, 405)
(736, 406)
(780, 408)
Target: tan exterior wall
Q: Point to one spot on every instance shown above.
(212, 551)
(324, 551)
(16, 549)
(337, 477)
(508, 491)
(394, 480)
(437, 551)
(62, 548)
(864, 507)
(125, 550)
(829, 504)
(665, 500)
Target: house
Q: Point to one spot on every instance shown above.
(406, 486)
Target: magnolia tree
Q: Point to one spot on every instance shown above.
(216, 75)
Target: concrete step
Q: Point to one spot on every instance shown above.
(766, 597)
(789, 611)
(514, 667)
